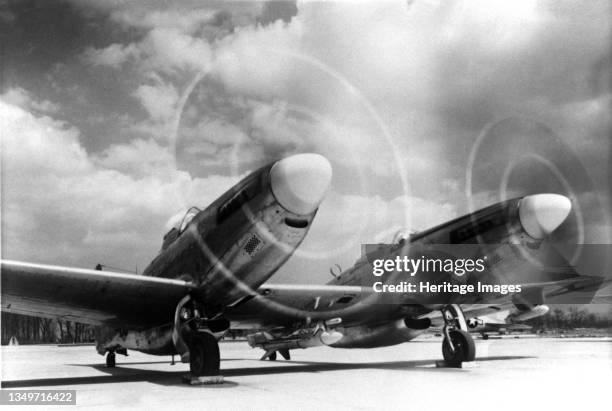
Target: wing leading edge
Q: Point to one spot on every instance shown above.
(281, 305)
(89, 296)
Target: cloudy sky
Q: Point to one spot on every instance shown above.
(117, 116)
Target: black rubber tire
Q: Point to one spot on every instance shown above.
(204, 358)
(110, 360)
(272, 356)
(465, 349)
(485, 336)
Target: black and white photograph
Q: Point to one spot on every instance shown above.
(312, 205)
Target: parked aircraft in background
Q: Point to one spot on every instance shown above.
(504, 321)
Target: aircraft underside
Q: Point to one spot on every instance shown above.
(458, 345)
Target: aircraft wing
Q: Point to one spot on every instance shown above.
(602, 299)
(581, 289)
(577, 290)
(89, 296)
(282, 304)
(136, 301)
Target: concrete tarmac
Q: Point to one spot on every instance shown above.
(509, 373)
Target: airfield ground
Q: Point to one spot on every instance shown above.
(509, 374)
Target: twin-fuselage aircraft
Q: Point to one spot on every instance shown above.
(209, 277)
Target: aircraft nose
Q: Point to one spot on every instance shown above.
(541, 214)
(299, 182)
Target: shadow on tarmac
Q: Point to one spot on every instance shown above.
(120, 375)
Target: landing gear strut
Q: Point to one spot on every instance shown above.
(458, 345)
(272, 355)
(110, 359)
(196, 344)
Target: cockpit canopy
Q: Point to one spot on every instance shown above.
(178, 229)
(192, 212)
(402, 235)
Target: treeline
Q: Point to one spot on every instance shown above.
(570, 319)
(34, 330)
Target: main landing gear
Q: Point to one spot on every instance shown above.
(458, 345)
(196, 344)
(110, 359)
(204, 358)
(110, 356)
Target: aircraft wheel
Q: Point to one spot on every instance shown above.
(465, 349)
(272, 356)
(485, 336)
(204, 359)
(110, 360)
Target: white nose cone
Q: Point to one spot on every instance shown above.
(541, 214)
(300, 182)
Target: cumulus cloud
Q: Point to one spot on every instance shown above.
(390, 93)
(111, 206)
(346, 221)
(460, 64)
(168, 50)
(62, 205)
(187, 21)
(159, 100)
(20, 97)
(138, 158)
(112, 56)
(191, 17)
(415, 85)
